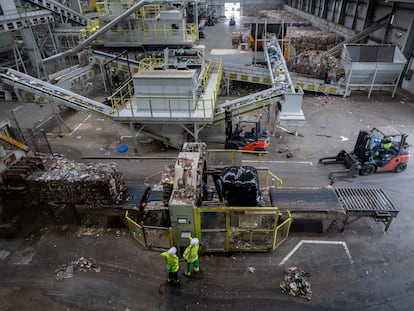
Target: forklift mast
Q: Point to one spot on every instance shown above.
(362, 148)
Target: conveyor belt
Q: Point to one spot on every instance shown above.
(310, 206)
(21, 81)
(331, 203)
(305, 199)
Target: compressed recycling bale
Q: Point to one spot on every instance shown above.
(303, 39)
(69, 182)
(240, 186)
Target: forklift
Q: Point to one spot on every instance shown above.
(383, 149)
(247, 135)
(232, 21)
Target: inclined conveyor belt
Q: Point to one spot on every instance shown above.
(21, 81)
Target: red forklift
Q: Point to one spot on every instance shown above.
(246, 135)
(383, 149)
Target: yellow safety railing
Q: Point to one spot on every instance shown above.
(282, 231)
(191, 30)
(151, 237)
(150, 63)
(122, 96)
(176, 107)
(136, 230)
(214, 66)
(150, 10)
(271, 180)
(102, 8)
(242, 229)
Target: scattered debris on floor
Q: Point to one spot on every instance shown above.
(252, 270)
(82, 264)
(296, 283)
(4, 254)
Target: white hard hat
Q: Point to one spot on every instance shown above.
(194, 242)
(172, 251)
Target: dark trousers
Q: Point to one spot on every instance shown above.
(173, 277)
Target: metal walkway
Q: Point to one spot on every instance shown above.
(12, 22)
(60, 9)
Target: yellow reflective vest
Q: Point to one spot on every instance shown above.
(172, 262)
(191, 253)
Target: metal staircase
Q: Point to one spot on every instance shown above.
(61, 9)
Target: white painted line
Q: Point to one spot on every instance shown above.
(80, 124)
(291, 253)
(316, 242)
(278, 162)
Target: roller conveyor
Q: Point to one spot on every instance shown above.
(367, 202)
(335, 207)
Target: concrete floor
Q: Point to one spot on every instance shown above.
(376, 274)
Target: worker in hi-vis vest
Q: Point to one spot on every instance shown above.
(191, 257)
(171, 258)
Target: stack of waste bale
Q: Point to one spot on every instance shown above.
(68, 182)
(302, 39)
(281, 15)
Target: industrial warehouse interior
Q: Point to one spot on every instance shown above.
(277, 133)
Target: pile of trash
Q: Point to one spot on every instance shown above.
(317, 64)
(82, 264)
(296, 283)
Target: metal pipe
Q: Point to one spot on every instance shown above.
(47, 141)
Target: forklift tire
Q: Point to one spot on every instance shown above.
(400, 167)
(367, 170)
